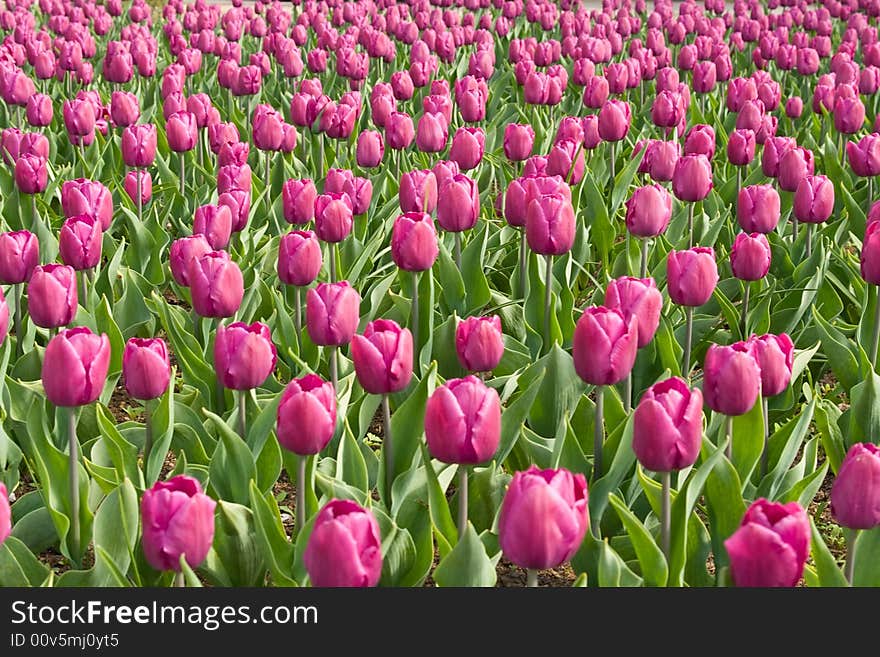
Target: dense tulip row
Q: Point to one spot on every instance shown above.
(401, 257)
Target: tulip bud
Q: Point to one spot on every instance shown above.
(80, 242)
(775, 356)
(139, 145)
(215, 223)
(333, 217)
(463, 422)
(360, 191)
(370, 149)
(544, 517)
(731, 378)
(52, 296)
(771, 545)
(244, 355)
(399, 131)
(124, 108)
(468, 146)
(299, 258)
(814, 199)
(870, 256)
(519, 140)
(418, 191)
(216, 284)
(458, 205)
(146, 369)
(39, 110)
(178, 520)
(700, 140)
(794, 165)
(479, 343)
(414, 242)
(306, 417)
(639, 298)
(855, 495)
(75, 367)
(550, 224)
(432, 133)
(383, 357)
(332, 313)
(87, 197)
(131, 185)
(31, 174)
(648, 211)
(741, 147)
(668, 426)
(750, 256)
(864, 156)
(182, 131)
(794, 107)
(691, 275)
(345, 547)
(19, 254)
(758, 208)
(298, 198)
(604, 345)
(692, 179)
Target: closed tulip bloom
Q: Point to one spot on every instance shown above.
(79, 243)
(458, 205)
(519, 140)
(614, 120)
(772, 153)
(182, 131)
(870, 256)
(544, 517)
(668, 426)
(758, 208)
(216, 284)
(345, 547)
(648, 211)
(34, 143)
(399, 131)
(79, 117)
(244, 355)
(667, 109)
(139, 145)
(794, 107)
(267, 128)
(639, 298)
(849, 115)
(814, 199)
(31, 174)
(52, 296)
(604, 345)
(864, 156)
(19, 254)
(298, 200)
(468, 146)
(215, 223)
(75, 367)
(5, 514)
(750, 256)
(39, 110)
(741, 147)
(360, 191)
(333, 217)
(306, 416)
(771, 545)
(567, 160)
(463, 422)
(182, 252)
(855, 495)
(414, 241)
(479, 343)
(332, 313)
(370, 149)
(418, 191)
(299, 258)
(795, 165)
(146, 369)
(692, 179)
(10, 144)
(89, 197)
(775, 356)
(432, 133)
(178, 521)
(383, 357)
(550, 224)
(731, 378)
(662, 156)
(124, 108)
(691, 275)
(700, 140)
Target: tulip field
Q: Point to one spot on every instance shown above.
(439, 293)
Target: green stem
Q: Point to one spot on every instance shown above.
(332, 250)
(598, 433)
(744, 310)
(523, 255)
(414, 318)
(179, 580)
(73, 480)
(643, 269)
(531, 578)
(462, 501)
(297, 315)
(242, 414)
(301, 464)
(613, 163)
(849, 568)
(458, 249)
(690, 225)
(628, 392)
(728, 452)
(875, 339)
(548, 301)
(148, 429)
(140, 203)
(764, 456)
(183, 174)
(334, 368)
(688, 338)
(809, 240)
(387, 444)
(16, 291)
(665, 479)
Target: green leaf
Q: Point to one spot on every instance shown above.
(189, 577)
(18, 565)
(726, 507)
(236, 545)
(276, 550)
(467, 564)
(653, 563)
(621, 465)
(232, 465)
(837, 348)
(613, 571)
(438, 506)
(864, 415)
(163, 427)
(866, 570)
(514, 416)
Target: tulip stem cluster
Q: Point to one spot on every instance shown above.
(73, 478)
(462, 501)
(665, 504)
(548, 301)
(849, 568)
(598, 433)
